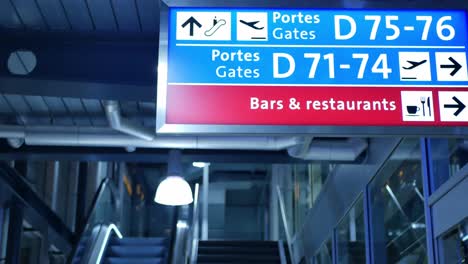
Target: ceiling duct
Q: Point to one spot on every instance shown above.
(330, 149)
(297, 147)
(119, 123)
(105, 137)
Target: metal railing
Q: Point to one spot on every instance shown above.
(195, 229)
(285, 224)
(99, 193)
(88, 226)
(99, 240)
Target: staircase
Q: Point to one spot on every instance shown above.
(137, 251)
(240, 252)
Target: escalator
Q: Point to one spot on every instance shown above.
(101, 241)
(126, 251)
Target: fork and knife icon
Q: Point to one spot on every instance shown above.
(414, 109)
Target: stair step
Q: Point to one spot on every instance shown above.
(134, 261)
(136, 251)
(238, 243)
(253, 258)
(135, 241)
(237, 250)
(239, 262)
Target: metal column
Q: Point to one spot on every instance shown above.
(15, 230)
(274, 210)
(81, 197)
(367, 226)
(206, 180)
(55, 186)
(2, 237)
(427, 178)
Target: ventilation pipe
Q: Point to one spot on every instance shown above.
(336, 150)
(297, 147)
(119, 123)
(7, 131)
(14, 135)
(15, 142)
(105, 137)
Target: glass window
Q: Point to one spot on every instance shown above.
(448, 157)
(455, 245)
(308, 180)
(351, 236)
(397, 208)
(324, 255)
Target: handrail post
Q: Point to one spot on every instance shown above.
(206, 180)
(195, 226)
(285, 223)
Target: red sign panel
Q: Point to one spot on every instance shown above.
(303, 105)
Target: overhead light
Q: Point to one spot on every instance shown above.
(199, 164)
(463, 229)
(465, 238)
(418, 226)
(182, 224)
(174, 189)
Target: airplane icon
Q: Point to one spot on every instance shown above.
(252, 24)
(414, 64)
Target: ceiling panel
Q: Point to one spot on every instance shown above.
(127, 15)
(37, 104)
(45, 110)
(18, 103)
(30, 14)
(94, 109)
(149, 15)
(77, 111)
(148, 110)
(19, 107)
(54, 14)
(54, 104)
(39, 114)
(58, 111)
(103, 15)
(4, 106)
(8, 16)
(78, 13)
(129, 107)
(93, 106)
(130, 110)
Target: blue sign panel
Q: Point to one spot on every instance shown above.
(317, 47)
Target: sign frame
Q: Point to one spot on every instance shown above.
(382, 131)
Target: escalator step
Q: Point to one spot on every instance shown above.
(146, 241)
(134, 261)
(238, 262)
(237, 250)
(136, 251)
(238, 258)
(238, 243)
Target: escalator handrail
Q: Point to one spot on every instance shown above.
(194, 235)
(99, 193)
(99, 241)
(285, 223)
(97, 196)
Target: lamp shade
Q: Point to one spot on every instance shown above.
(174, 190)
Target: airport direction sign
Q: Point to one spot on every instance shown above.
(313, 67)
